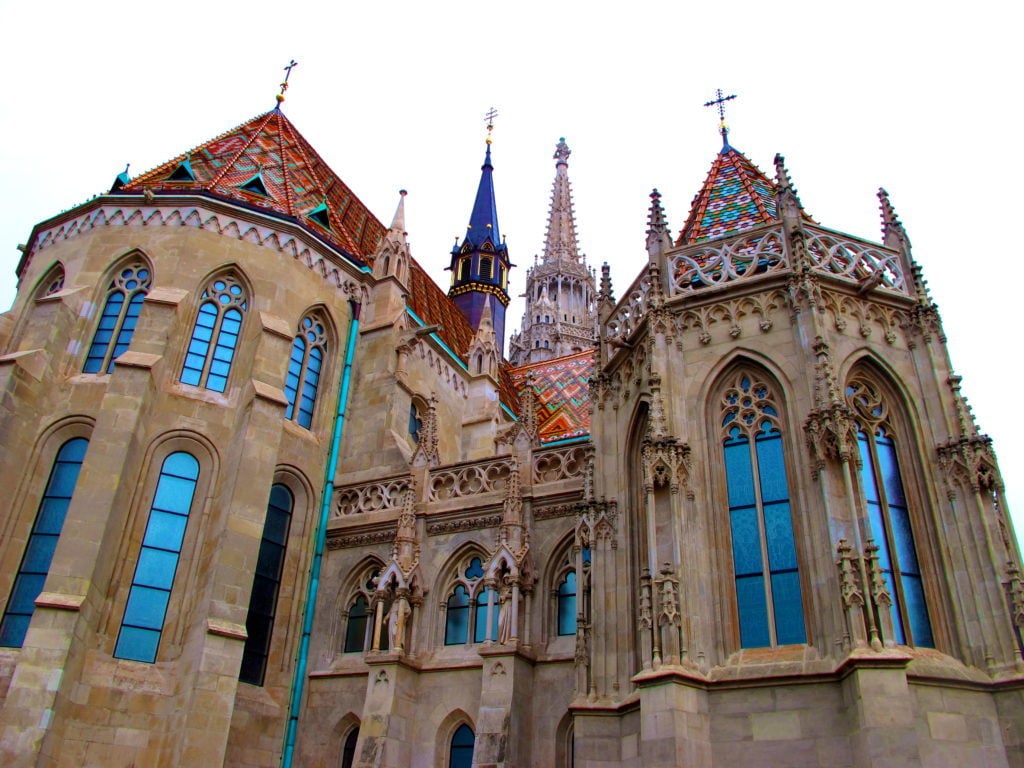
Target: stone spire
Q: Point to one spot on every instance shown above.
(560, 316)
(561, 243)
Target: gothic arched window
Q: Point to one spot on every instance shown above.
(466, 607)
(348, 752)
(358, 625)
(308, 352)
(259, 623)
(52, 282)
(150, 592)
(42, 541)
(767, 579)
(215, 334)
(460, 753)
(889, 513)
(567, 604)
(120, 313)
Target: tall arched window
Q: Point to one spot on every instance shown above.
(357, 625)
(348, 752)
(888, 513)
(120, 313)
(460, 754)
(150, 592)
(567, 604)
(215, 334)
(768, 595)
(259, 623)
(462, 622)
(42, 541)
(308, 352)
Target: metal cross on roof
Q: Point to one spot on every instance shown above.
(284, 85)
(491, 114)
(720, 103)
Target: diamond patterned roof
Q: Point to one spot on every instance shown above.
(735, 196)
(267, 154)
(561, 391)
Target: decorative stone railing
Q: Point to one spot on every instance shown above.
(725, 261)
(630, 310)
(559, 464)
(460, 480)
(378, 496)
(854, 259)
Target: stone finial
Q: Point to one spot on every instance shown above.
(562, 151)
(606, 284)
(398, 222)
(656, 214)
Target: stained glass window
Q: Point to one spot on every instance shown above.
(889, 514)
(567, 604)
(767, 579)
(42, 541)
(215, 334)
(304, 367)
(117, 321)
(259, 623)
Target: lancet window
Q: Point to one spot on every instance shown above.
(358, 624)
(460, 753)
(466, 607)
(765, 565)
(120, 313)
(888, 512)
(569, 591)
(215, 334)
(153, 581)
(42, 541)
(259, 623)
(309, 349)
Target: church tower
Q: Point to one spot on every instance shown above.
(480, 265)
(560, 313)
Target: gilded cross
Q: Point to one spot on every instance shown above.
(719, 102)
(288, 73)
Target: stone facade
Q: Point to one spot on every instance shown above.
(780, 541)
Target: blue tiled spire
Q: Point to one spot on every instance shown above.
(483, 222)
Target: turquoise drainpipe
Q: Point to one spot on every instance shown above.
(298, 684)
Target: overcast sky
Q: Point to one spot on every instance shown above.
(922, 99)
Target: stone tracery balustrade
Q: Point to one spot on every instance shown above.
(848, 257)
(727, 260)
(459, 480)
(377, 496)
(559, 463)
(630, 310)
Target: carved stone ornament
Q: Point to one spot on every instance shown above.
(849, 576)
(367, 539)
(444, 527)
(666, 462)
(426, 454)
(831, 435)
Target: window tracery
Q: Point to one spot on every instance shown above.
(882, 487)
(765, 564)
(467, 604)
(215, 334)
(357, 624)
(309, 349)
(120, 314)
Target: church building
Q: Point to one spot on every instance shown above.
(276, 498)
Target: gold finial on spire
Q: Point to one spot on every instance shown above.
(491, 114)
(720, 103)
(284, 85)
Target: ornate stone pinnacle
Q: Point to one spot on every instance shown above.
(562, 151)
(656, 215)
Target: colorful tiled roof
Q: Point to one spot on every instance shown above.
(561, 391)
(735, 196)
(266, 164)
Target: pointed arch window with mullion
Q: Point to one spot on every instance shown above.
(889, 514)
(120, 314)
(769, 599)
(304, 367)
(211, 350)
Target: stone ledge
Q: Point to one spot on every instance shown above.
(224, 628)
(60, 601)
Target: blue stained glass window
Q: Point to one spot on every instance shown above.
(218, 325)
(151, 587)
(304, 367)
(259, 623)
(480, 633)
(118, 319)
(42, 542)
(456, 625)
(891, 531)
(355, 632)
(769, 601)
(461, 753)
(567, 605)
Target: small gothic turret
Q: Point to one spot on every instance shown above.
(480, 264)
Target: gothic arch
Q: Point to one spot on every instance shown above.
(200, 538)
(445, 730)
(558, 565)
(51, 282)
(117, 303)
(452, 574)
(564, 742)
(759, 603)
(360, 582)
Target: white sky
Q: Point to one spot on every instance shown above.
(919, 98)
